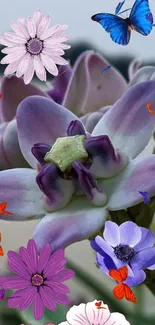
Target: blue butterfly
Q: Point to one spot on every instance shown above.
(120, 29)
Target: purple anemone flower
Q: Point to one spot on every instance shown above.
(128, 245)
(78, 177)
(38, 279)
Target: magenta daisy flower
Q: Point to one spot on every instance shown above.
(32, 47)
(38, 279)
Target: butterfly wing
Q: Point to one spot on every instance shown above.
(139, 17)
(3, 206)
(119, 7)
(118, 291)
(116, 26)
(129, 294)
(1, 251)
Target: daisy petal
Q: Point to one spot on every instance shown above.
(16, 283)
(15, 49)
(78, 221)
(28, 75)
(49, 64)
(58, 287)
(44, 257)
(23, 65)
(128, 123)
(16, 265)
(38, 307)
(123, 190)
(10, 58)
(14, 299)
(28, 297)
(61, 298)
(63, 275)
(49, 32)
(37, 16)
(12, 67)
(23, 27)
(39, 68)
(17, 28)
(6, 42)
(55, 264)
(48, 298)
(14, 38)
(32, 251)
(31, 27)
(43, 25)
(58, 60)
(20, 183)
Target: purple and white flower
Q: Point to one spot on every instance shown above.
(128, 245)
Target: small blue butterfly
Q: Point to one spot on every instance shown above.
(146, 196)
(120, 29)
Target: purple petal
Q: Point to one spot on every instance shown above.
(29, 256)
(147, 239)
(16, 283)
(143, 74)
(20, 184)
(75, 128)
(52, 122)
(17, 266)
(15, 298)
(107, 162)
(48, 298)
(92, 120)
(128, 123)
(44, 257)
(144, 259)
(61, 81)
(38, 307)
(28, 297)
(78, 221)
(130, 233)
(56, 95)
(123, 189)
(138, 278)
(133, 68)
(11, 151)
(55, 264)
(105, 267)
(58, 287)
(32, 250)
(17, 91)
(63, 275)
(88, 88)
(61, 298)
(2, 294)
(104, 245)
(112, 233)
(39, 151)
(57, 189)
(97, 248)
(89, 185)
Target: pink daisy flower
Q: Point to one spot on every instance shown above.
(32, 47)
(38, 279)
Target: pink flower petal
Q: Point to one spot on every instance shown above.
(49, 32)
(15, 49)
(89, 89)
(37, 16)
(63, 275)
(58, 287)
(18, 29)
(15, 38)
(52, 122)
(31, 27)
(38, 307)
(17, 92)
(32, 250)
(43, 25)
(97, 316)
(11, 68)
(28, 75)
(5, 41)
(49, 64)
(117, 319)
(24, 65)
(55, 264)
(61, 298)
(128, 123)
(78, 221)
(58, 60)
(17, 266)
(10, 58)
(123, 190)
(39, 68)
(14, 299)
(20, 183)
(44, 257)
(27, 260)
(48, 298)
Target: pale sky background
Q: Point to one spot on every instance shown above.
(77, 15)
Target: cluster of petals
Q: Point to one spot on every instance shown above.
(38, 279)
(32, 47)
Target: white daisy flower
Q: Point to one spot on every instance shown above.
(32, 47)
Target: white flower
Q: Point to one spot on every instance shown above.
(90, 313)
(32, 47)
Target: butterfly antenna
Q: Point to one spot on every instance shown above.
(124, 11)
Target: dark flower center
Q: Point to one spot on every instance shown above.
(37, 280)
(124, 253)
(34, 46)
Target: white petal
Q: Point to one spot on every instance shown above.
(44, 23)
(39, 68)
(53, 51)
(31, 27)
(17, 28)
(6, 42)
(49, 32)
(23, 66)
(13, 57)
(23, 26)
(14, 49)
(29, 73)
(14, 38)
(37, 17)
(49, 64)
(97, 316)
(58, 60)
(12, 67)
